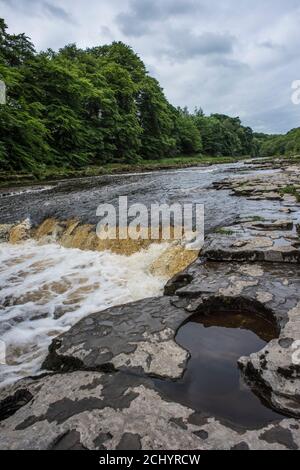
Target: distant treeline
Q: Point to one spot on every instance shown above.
(77, 107)
(281, 145)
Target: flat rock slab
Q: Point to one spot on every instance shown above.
(269, 241)
(274, 286)
(273, 186)
(273, 238)
(137, 337)
(92, 410)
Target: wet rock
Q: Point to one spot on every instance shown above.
(4, 232)
(11, 404)
(20, 232)
(280, 435)
(68, 441)
(202, 434)
(173, 260)
(137, 336)
(91, 410)
(250, 247)
(282, 185)
(276, 225)
(240, 446)
(178, 281)
(129, 441)
(266, 196)
(276, 370)
(255, 239)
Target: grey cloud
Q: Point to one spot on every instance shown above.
(38, 8)
(275, 120)
(57, 11)
(186, 45)
(228, 63)
(141, 15)
(270, 45)
(106, 32)
(208, 43)
(131, 26)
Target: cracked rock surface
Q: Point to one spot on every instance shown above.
(271, 241)
(137, 337)
(92, 410)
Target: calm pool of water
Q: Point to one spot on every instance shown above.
(212, 382)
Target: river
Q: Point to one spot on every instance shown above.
(45, 289)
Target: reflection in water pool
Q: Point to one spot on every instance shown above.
(212, 382)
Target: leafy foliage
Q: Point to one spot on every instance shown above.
(77, 107)
(223, 135)
(281, 145)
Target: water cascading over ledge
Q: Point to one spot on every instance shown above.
(73, 234)
(55, 274)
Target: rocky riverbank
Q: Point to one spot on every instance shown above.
(99, 391)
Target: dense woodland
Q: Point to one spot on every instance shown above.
(77, 107)
(288, 144)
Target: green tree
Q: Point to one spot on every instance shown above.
(188, 136)
(156, 119)
(76, 107)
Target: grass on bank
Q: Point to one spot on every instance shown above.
(54, 173)
(223, 231)
(50, 173)
(292, 190)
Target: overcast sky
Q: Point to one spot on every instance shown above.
(237, 57)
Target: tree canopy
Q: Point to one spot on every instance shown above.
(280, 145)
(76, 107)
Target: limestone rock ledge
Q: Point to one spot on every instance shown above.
(277, 367)
(138, 337)
(92, 410)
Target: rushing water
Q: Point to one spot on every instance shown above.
(46, 289)
(80, 198)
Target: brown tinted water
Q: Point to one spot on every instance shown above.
(212, 382)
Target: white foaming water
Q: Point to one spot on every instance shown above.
(45, 289)
(17, 192)
(171, 172)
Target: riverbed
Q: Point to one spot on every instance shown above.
(200, 347)
(47, 288)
